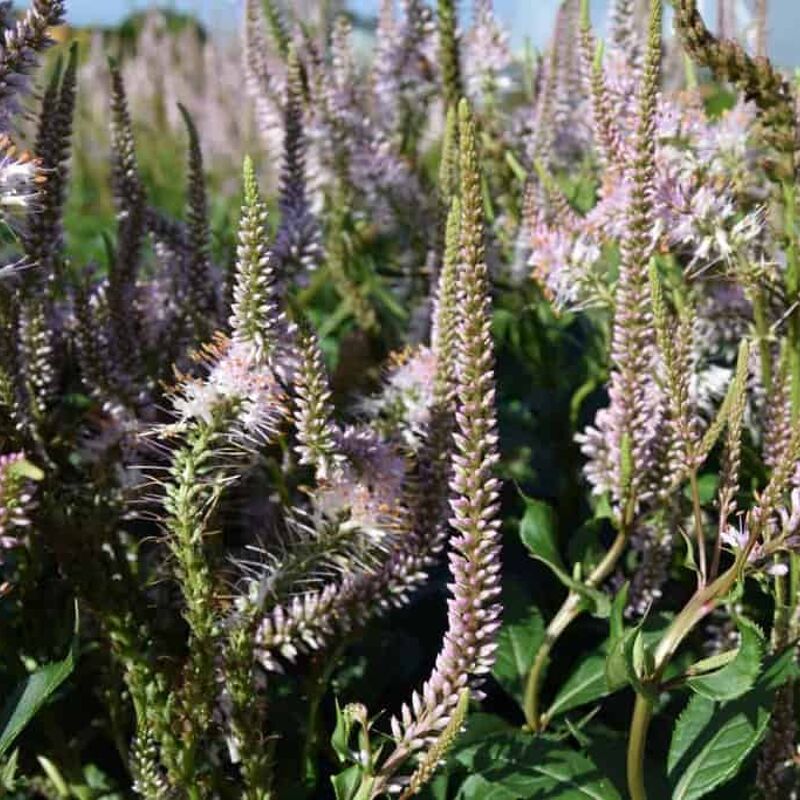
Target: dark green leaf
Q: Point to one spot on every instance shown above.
(479, 728)
(585, 685)
(585, 546)
(711, 740)
(346, 783)
(476, 787)
(537, 530)
(519, 767)
(518, 643)
(340, 739)
(32, 694)
(437, 789)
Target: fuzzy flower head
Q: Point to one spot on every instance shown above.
(736, 539)
(20, 179)
(407, 395)
(238, 382)
(563, 263)
(779, 534)
(367, 487)
(487, 51)
(702, 220)
(729, 137)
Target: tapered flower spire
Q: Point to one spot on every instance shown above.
(18, 54)
(298, 240)
(622, 447)
(316, 433)
(473, 611)
(201, 297)
(256, 316)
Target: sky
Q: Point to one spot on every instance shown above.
(524, 18)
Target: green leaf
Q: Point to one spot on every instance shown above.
(8, 771)
(736, 387)
(642, 658)
(689, 560)
(476, 786)
(33, 692)
(585, 545)
(603, 509)
(616, 619)
(517, 645)
(537, 530)
(619, 659)
(738, 676)
(334, 320)
(340, 739)
(715, 662)
(516, 766)
(618, 667)
(711, 740)
(706, 488)
(629, 658)
(585, 685)
(55, 777)
(347, 783)
(388, 300)
(519, 171)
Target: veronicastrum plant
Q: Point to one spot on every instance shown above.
(199, 492)
(674, 238)
(257, 469)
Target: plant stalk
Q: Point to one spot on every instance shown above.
(698, 528)
(699, 606)
(763, 335)
(570, 610)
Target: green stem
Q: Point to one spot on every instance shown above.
(698, 527)
(792, 290)
(640, 724)
(762, 334)
(794, 590)
(780, 625)
(699, 606)
(247, 718)
(319, 685)
(570, 610)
